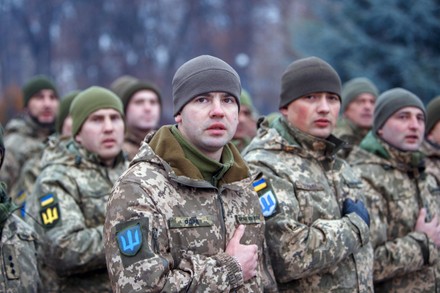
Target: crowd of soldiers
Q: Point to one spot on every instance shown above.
(338, 191)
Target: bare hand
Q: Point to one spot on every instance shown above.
(432, 229)
(246, 255)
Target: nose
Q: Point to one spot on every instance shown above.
(217, 108)
(108, 125)
(323, 105)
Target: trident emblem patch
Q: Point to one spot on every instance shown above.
(130, 240)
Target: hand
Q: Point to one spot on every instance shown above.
(246, 255)
(431, 229)
(350, 206)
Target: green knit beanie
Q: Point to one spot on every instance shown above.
(119, 85)
(133, 87)
(390, 101)
(204, 74)
(306, 76)
(90, 100)
(63, 110)
(354, 87)
(36, 84)
(433, 114)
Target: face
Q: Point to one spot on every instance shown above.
(143, 110)
(434, 134)
(209, 122)
(247, 126)
(360, 110)
(67, 126)
(404, 129)
(315, 114)
(103, 134)
(43, 106)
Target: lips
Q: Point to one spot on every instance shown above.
(217, 126)
(108, 141)
(322, 122)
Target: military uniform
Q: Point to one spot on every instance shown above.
(350, 133)
(69, 202)
(167, 228)
(396, 189)
(312, 247)
(24, 139)
(131, 145)
(432, 160)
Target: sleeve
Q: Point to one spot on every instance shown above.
(132, 211)
(298, 250)
(69, 245)
(398, 256)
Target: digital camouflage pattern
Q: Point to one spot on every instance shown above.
(184, 222)
(312, 247)
(350, 133)
(396, 189)
(69, 202)
(432, 160)
(23, 139)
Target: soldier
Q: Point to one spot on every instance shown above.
(29, 172)
(70, 194)
(18, 246)
(142, 105)
(247, 122)
(184, 218)
(431, 144)
(316, 224)
(24, 136)
(358, 98)
(401, 197)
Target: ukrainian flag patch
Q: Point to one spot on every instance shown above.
(266, 195)
(50, 213)
(259, 184)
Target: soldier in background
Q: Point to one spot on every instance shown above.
(401, 197)
(70, 195)
(358, 98)
(25, 136)
(247, 122)
(184, 217)
(18, 246)
(142, 105)
(431, 144)
(317, 227)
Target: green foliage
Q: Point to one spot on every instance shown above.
(394, 43)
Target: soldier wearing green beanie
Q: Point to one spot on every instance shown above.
(25, 135)
(18, 242)
(71, 193)
(143, 106)
(431, 145)
(358, 99)
(402, 195)
(63, 124)
(120, 84)
(247, 122)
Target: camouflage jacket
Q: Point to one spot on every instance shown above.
(350, 133)
(404, 260)
(69, 203)
(167, 229)
(432, 160)
(312, 247)
(24, 139)
(18, 249)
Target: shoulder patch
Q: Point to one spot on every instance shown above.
(49, 210)
(130, 240)
(266, 195)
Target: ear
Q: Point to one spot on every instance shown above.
(78, 139)
(380, 132)
(178, 118)
(284, 111)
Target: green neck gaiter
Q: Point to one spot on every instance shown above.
(212, 171)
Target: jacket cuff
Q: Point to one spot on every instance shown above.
(427, 247)
(362, 227)
(233, 268)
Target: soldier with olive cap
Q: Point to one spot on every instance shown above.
(431, 144)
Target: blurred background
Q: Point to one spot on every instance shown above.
(80, 43)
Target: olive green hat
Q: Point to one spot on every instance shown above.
(204, 74)
(354, 87)
(63, 110)
(36, 84)
(433, 114)
(133, 87)
(306, 76)
(90, 100)
(390, 101)
(120, 84)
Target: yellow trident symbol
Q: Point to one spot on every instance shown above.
(50, 215)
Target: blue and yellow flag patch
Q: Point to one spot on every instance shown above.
(259, 184)
(266, 195)
(50, 213)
